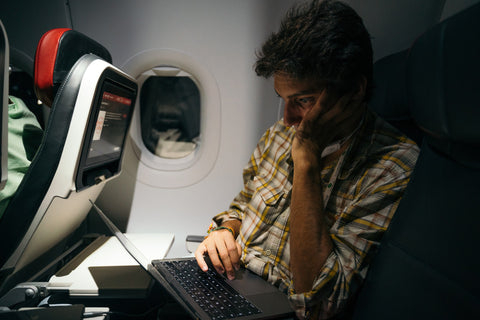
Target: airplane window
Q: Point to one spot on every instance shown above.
(176, 126)
(170, 113)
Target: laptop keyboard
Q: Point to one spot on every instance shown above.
(209, 290)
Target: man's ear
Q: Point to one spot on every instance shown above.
(362, 88)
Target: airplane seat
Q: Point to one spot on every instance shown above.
(427, 264)
(175, 138)
(57, 51)
(389, 99)
(53, 199)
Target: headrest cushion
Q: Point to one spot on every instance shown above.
(442, 80)
(57, 51)
(389, 97)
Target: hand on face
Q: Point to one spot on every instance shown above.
(319, 116)
(328, 120)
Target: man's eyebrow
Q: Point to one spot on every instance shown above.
(300, 93)
(304, 92)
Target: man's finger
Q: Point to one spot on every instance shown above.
(239, 252)
(214, 258)
(199, 253)
(224, 254)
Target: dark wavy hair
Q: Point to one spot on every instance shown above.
(323, 41)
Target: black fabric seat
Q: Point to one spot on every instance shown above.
(389, 99)
(427, 266)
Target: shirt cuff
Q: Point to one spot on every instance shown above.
(229, 215)
(317, 303)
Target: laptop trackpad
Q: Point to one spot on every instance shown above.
(248, 283)
(261, 293)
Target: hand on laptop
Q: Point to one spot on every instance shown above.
(224, 252)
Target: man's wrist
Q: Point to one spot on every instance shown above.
(233, 226)
(307, 172)
(222, 228)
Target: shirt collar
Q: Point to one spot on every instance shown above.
(359, 147)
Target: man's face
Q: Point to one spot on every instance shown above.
(299, 96)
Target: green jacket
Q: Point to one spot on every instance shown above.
(24, 137)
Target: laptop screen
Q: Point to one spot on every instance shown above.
(131, 249)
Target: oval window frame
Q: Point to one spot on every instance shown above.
(198, 164)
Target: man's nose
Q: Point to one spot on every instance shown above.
(291, 115)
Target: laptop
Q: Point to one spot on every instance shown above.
(247, 297)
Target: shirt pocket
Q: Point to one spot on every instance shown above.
(269, 205)
(270, 192)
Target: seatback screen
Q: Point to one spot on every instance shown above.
(110, 128)
(109, 120)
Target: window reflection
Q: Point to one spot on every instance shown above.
(170, 115)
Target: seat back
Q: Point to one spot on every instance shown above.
(57, 51)
(427, 265)
(54, 195)
(389, 99)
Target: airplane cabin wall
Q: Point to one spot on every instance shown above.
(222, 37)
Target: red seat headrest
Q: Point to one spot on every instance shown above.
(57, 51)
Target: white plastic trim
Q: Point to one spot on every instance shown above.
(177, 173)
(39, 236)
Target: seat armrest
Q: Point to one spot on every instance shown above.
(192, 242)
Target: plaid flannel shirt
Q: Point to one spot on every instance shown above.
(364, 196)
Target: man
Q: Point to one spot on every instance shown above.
(24, 137)
(323, 183)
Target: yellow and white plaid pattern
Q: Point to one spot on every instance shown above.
(365, 195)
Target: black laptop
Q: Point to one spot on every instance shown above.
(208, 295)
